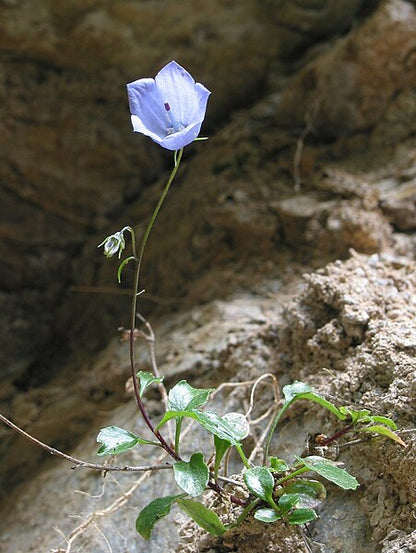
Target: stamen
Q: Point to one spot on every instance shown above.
(173, 126)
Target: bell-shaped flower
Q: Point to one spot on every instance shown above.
(169, 108)
(114, 244)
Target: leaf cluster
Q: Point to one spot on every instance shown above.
(276, 491)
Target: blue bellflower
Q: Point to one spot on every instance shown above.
(169, 108)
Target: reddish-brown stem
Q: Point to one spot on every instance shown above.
(139, 401)
(330, 439)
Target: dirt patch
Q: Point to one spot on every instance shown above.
(351, 334)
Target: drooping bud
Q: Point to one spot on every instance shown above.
(113, 244)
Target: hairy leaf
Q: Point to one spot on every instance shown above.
(300, 390)
(384, 420)
(288, 501)
(292, 390)
(311, 488)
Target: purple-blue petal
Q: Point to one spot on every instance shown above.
(146, 104)
(177, 87)
(177, 125)
(139, 126)
(178, 140)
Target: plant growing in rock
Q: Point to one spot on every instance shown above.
(170, 110)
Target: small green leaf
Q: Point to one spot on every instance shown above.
(267, 515)
(384, 420)
(288, 501)
(192, 477)
(238, 424)
(221, 448)
(122, 265)
(183, 397)
(299, 500)
(146, 379)
(154, 511)
(356, 416)
(311, 488)
(219, 426)
(299, 390)
(328, 469)
(292, 390)
(116, 440)
(363, 416)
(383, 431)
(301, 516)
(278, 465)
(209, 420)
(204, 517)
(260, 482)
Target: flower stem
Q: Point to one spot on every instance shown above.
(136, 293)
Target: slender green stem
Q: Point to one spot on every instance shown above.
(247, 509)
(177, 159)
(243, 457)
(178, 434)
(273, 428)
(139, 257)
(292, 475)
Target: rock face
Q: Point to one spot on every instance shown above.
(69, 160)
(309, 169)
